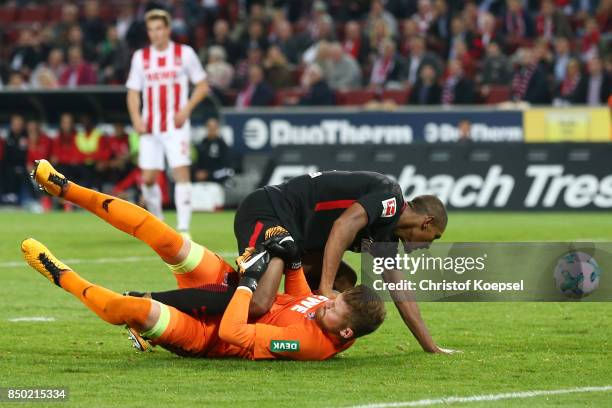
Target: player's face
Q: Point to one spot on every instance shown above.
(420, 236)
(158, 32)
(333, 315)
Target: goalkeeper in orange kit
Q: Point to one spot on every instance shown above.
(299, 325)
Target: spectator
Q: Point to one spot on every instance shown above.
(341, 70)
(14, 172)
(124, 19)
(426, 90)
(354, 42)
(590, 39)
(562, 58)
(318, 92)
(379, 33)
(489, 31)
(39, 147)
(496, 68)
(256, 92)
(255, 37)
(114, 58)
(94, 30)
(222, 39)
(545, 57)
(92, 147)
(439, 32)
(28, 52)
(424, 16)
(16, 82)
(597, 84)
(119, 158)
(604, 15)
(529, 82)
(457, 90)
(284, 39)
(254, 57)
(213, 163)
(69, 18)
(46, 75)
(377, 13)
(419, 57)
(410, 31)
(75, 39)
(64, 152)
(78, 72)
(323, 34)
(517, 24)
(277, 71)
(570, 88)
(220, 74)
(551, 22)
(389, 69)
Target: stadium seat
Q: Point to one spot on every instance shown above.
(355, 97)
(399, 96)
(33, 14)
(8, 14)
(498, 94)
(282, 95)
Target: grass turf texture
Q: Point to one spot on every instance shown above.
(507, 346)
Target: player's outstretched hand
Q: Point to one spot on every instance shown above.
(283, 246)
(252, 264)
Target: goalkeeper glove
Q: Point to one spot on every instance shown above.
(279, 243)
(252, 264)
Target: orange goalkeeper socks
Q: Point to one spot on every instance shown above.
(128, 218)
(108, 305)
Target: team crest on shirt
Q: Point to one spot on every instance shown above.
(389, 207)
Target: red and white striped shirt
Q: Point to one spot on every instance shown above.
(163, 78)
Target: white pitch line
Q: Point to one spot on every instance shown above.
(127, 259)
(480, 398)
(32, 319)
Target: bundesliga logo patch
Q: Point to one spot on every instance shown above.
(389, 207)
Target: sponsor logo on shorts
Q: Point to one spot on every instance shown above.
(277, 346)
(389, 207)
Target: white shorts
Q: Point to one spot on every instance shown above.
(175, 145)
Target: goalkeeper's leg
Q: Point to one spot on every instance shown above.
(192, 264)
(121, 214)
(162, 324)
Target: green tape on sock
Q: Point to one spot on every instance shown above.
(162, 323)
(191, 262)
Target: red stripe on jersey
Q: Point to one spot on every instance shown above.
(177, 97)
(149, 109)
(161, 62)
(255, 234)
(163, 107)
(333, 205)
(146, 57)
(178, 49)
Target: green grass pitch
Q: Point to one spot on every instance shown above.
(508, 347)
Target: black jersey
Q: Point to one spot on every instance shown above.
(308, 206)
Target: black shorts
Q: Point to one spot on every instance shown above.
(254, 216)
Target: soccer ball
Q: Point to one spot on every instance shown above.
(576, 274)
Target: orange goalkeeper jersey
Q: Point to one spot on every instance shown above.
(288, 331)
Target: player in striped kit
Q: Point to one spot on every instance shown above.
(162, 72)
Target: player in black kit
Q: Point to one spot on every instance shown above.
(328, 213)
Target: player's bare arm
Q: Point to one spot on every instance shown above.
(199, 93)
(133, 104)
(342, 234)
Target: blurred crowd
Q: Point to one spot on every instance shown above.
(100, 158)
(432, 51)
